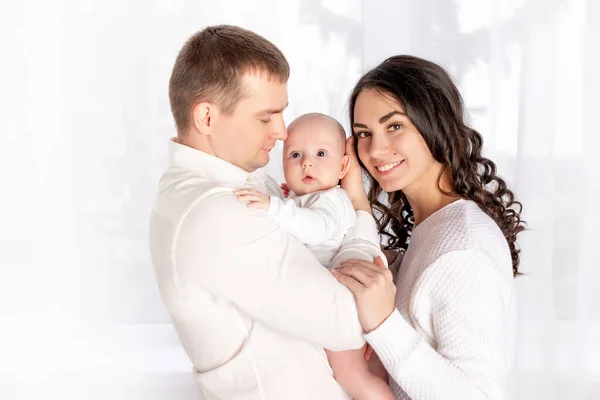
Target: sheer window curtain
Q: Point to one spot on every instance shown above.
(84, 120)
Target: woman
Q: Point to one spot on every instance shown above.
(445, 329)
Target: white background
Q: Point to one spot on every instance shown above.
(84, 124)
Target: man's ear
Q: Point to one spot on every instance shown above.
(345, 165)
(202, 115)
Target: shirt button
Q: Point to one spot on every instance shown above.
(250, 179)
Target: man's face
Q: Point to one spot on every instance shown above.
(246, 136)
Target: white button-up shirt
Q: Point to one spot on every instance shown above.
(252, 306)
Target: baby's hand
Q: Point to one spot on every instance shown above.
(253, 198)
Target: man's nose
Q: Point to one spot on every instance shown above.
(279, 130)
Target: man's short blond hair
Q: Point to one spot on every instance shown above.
(210, 67)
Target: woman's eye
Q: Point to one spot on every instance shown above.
(295, 154)
(363, 134)
(395, 127)
(321, 153)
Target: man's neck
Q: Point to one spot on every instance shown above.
(196, 142)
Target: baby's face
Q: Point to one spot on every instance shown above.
(313, 156)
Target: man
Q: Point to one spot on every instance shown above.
(252, 307)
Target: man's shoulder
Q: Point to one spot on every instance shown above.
(180, 192)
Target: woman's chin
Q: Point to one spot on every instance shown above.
(390, 187)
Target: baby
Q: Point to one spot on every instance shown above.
(318, 212)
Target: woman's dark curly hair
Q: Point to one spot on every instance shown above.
(435, 107)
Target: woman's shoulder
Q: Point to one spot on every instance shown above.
(461, 226)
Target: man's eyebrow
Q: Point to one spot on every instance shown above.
(272, 110)
(381, 120)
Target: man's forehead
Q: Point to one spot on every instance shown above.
(259, 81)
(264, 96)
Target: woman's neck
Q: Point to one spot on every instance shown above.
(427, 196)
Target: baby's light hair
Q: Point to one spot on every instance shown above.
(324, 117)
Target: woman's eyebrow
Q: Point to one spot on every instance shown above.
(381, 120)
(390, 115)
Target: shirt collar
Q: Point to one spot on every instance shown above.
(209, 166)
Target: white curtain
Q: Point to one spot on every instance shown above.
(84, 123)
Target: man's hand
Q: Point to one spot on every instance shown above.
(253, 198)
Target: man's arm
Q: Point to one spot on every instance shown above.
(242, 256)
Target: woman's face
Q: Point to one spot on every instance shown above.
(390, 146)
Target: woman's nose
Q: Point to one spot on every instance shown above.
(380, 145)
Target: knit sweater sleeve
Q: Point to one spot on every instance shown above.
(468, 359)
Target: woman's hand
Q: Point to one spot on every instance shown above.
(373, 289)
(352, 182)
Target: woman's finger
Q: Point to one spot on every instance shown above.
(368, 352)
(363, 275)
(350, 149)
(348, 281)
(364, 264)
(379, 262)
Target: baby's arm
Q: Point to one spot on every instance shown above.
(352, 372)
(311, 226)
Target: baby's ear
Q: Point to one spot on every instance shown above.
(345, 166)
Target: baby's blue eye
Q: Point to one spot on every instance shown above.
(321, 153)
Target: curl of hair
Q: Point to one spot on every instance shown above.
(435, 106)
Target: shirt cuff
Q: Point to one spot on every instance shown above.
(364, 228)
(393, 340)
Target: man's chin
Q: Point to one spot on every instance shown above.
(262, 161)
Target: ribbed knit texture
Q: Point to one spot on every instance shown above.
(452, 334)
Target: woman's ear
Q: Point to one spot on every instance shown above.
(345, 165)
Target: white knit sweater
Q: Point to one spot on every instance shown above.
(451, 335)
